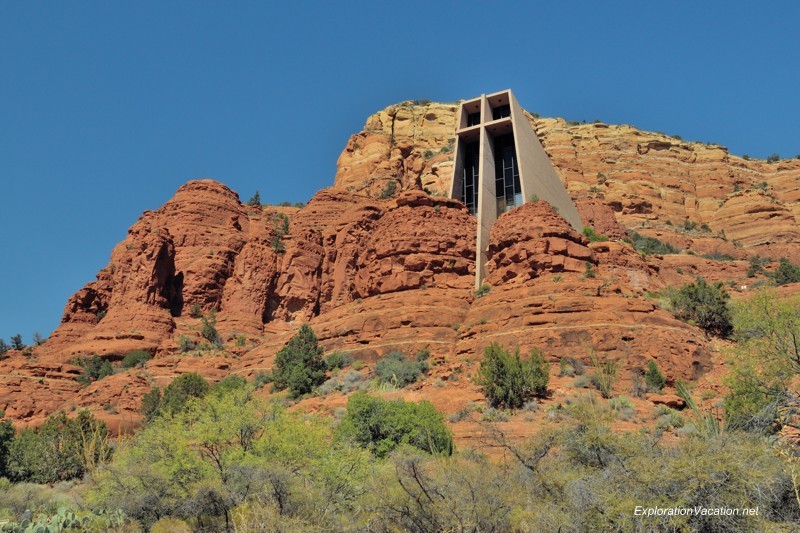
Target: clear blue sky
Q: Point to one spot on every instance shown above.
(106, 108)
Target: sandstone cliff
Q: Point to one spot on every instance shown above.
(383, 261)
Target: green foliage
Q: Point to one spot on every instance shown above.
(394, 368)
(186, 344)
(3, 347)
(593, 236)
(589, 271)
(389, 190)
(196, 311)
(338, 360)
(255, 200)
(151, 401)
(509, 381)
(261, 379)
(229, 384)
(483, 290)
(299, 366)
(718, 256)
(209, 331)
(94, 368)
(57, 450)
(651, 245)
(16, 342)
(178, 393)
(773, 158)
(6, 438)
(605, 374)
(653, 376)
(280, 228)
(136, 358)
(787, 272)
(706, 305)
(382, 425)
(764, 362)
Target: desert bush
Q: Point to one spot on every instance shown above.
(593, 236)
(787, 272)
(136, 358)
(180, 390)
(299, 366)
(94, 368)
(382, 425)
(261, 379)
(507, 380)
(604, 376)
(483, 290)
(209, 331)
(338, 360)
(57, 450)
(394, 368)
(705, 305)
(653, 376)
(651, 245)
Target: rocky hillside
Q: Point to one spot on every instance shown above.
(383, 261)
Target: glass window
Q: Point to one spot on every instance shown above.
(470, 177)
(508, 191)
(473, 119)
(501, 111)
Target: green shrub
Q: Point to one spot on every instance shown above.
(255, 200)
(196, 311)
(136, 358)
(209, 329)
(151, 401)
(773, 158)
(186, 344)
(604, 376)
(228, 384)
(653, 376)
(16, 342)
(394, 368)
(6, 437)
(787, 272)
(94, 368)
(177, 393)
(593, 236)
(507, 380)
(338, 360)
(706, 305)
(389, 190)
(589, 271)
(57, 451)
(483, 290)
(651, 245)
(261, 379)
(299, 366)
(382, 425)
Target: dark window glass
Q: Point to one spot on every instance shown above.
(470, 177)
(473, 119)
(501, 111)
(508, 192)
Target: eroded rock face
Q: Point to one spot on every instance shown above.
(375, 267)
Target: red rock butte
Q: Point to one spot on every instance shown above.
(384, 260)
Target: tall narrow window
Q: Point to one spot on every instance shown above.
(473, 119)
(508, 191)
(470, 177)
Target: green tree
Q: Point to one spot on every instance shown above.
(208, 329)
(3, 347)
(507, 380)
(255, 200)
(765, 362)
(57, 450)
(136, 358)
(299, 365)
(382, 425)
(151, 402)
(706, 305)
(182, 388)
(6, 438)
(787, 272)
(94, 368)
(16, 342)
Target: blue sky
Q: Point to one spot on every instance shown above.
(106, 108)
